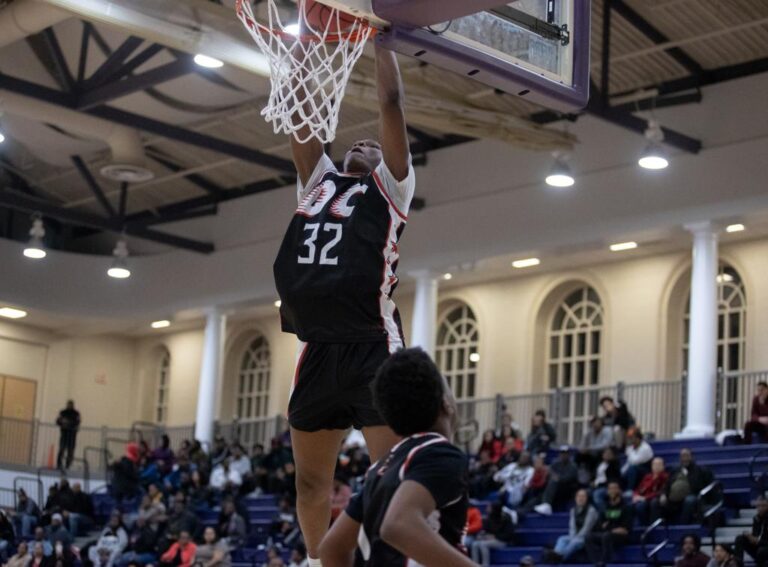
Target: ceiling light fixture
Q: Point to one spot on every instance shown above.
(35, 248)
(560, 174)
(622, 246)
(724, 278)
(161, 324)
(2, 138)
(474, 357)
(11, 313)
(119, 269)
(654, 156)
(208, 62)
(527, 263)
(278, 304)
(447, 277)
(736, 228)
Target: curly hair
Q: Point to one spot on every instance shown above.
(408, 392)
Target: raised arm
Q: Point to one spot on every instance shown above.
(393, 134)
(305, 155)
(406, 529)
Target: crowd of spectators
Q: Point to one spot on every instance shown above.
(608, 496)
(161, 497)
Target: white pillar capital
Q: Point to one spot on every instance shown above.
(425, 275)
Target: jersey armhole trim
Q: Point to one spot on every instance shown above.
(382, 190)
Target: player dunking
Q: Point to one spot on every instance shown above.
(335, 274)
(413, 508)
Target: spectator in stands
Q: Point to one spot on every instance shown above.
(41, 538)
(7, 535)
(649, 491)
(474, 525)
(681, 494)
(239, 461)
(284, 481)
(285, 526)
(163, 455)
(142, 544)
(276, 562)
(125, 475)
(198, 493)
(272, 554)
(617, 418)
(51, 504)
(111, 544)
(492, 445)
(758, 423)
(27, 514)
(535, 490)
(22, 558)
(563, 480)
(199, 458)
(181, 553)
(609, 470)
(692, 555)
(39, 558)
(213, 552)
(151, 510)
(232, 527)
(723, 557)
(79, 513)
(613, 528)
(542, 434)
(597, 439)
(507, 421)
(62, 556)
(299, 556)
(341, 493)
(639, 456)
(226, 479)
(515, 479)
(220, 451)
(510, 434)
(180, 520)
(583, 520)
(755, 542)
(69, 424)
(56, 532)
(498, 532)
(481, 471)
(510, 452)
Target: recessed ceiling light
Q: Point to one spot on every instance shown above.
(208, 62)
(736, 228)
(527, 263)
(447, 276)
(622, 246)
(278, 304)
(11, 313)
(2, 138)
(161, 324)
(474, 357)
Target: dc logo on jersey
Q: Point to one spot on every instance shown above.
(316, 200)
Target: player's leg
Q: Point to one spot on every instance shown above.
(379, 439)
(315, 455)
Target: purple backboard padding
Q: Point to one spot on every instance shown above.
(498, 73)
(421, 13)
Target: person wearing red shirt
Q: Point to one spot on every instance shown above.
(474, 525)
(492, 444)
(180, 554)
(650, 488)
(759, 423)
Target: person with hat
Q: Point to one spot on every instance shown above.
(57, 533)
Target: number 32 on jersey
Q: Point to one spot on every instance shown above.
(330, 232)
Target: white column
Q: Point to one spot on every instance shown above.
(424, 312)
(210, 375)
(702, 340)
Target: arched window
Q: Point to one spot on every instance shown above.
(456, 353)
(731, 321)
(252, 394)
(574, 358)
(163, 386)
(731, 339)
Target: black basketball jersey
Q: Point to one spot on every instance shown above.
(336, 269)
(432, 461)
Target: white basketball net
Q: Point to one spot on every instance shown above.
(309, 73)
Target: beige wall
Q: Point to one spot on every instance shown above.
(113, 379)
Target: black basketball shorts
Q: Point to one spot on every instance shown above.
(332, 386)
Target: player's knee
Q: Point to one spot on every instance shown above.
(311, 486)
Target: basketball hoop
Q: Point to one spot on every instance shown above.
(309, 72)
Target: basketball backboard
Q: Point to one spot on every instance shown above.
(536, 49)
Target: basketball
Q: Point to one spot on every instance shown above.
(321, 17)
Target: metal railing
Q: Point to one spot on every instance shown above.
(735, 391)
